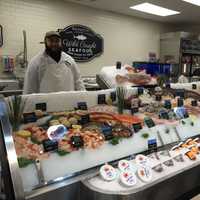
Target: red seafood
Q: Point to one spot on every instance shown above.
(92, 139)
(127, 119)
(104, 117)
(24, 148)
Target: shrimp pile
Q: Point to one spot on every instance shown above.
(24, 148)
(92, 139)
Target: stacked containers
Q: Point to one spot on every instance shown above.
(7, 63)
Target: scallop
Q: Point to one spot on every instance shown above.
(73, 120)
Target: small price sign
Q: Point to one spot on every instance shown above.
(152, 145)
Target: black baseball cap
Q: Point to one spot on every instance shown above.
(52, 33)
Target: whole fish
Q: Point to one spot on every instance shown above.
(80, 37)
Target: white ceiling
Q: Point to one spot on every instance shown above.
(190, 14)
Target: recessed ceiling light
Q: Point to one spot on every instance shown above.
(154, 9)
(195, 2)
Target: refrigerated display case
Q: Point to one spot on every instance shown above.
(183, 49)
(191, 66)
(52, 169)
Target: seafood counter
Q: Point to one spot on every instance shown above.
(112, 76)
(125, 75)
(62, 135)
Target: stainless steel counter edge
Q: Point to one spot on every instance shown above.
(11, 153)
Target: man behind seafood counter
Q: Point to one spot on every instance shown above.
(52, 70)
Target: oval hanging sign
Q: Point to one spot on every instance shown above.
(81, 42)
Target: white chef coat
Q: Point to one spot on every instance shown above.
(45, 75)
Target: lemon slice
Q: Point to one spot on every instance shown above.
(24, 133)
(78, 127)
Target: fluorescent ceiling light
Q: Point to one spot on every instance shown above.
(195, 2)
(154, 9)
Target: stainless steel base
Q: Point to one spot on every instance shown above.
(70, 192)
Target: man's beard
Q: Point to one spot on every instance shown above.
(55, 54)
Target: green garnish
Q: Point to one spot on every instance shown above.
(145, 135)
(15, 108)
(192, 123)
(35, 141)
(121, 93)
(23, 162)
(115, 141)
(55, 118)
(167, 131)
(183, 122)
(62, 152)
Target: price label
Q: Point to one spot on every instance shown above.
(137, 127)
(180, 93)
(29, 117)
(41, 106)
(85, 119)
(140, 90)
(101, 99)
(107, 131)
(194, 86)
(180, 102)
(167, 104)
(149, 122)
(134, 110)
(167, 85)
(118, 65)
(77, 141)
(186, 115)
(194, 103)
(82, 106)
(50, 145)
(152, 145)
(163, 115)
(158, 97)
(113, 96)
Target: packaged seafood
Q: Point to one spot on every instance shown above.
(128, 178)
(191, 155)
(108, 173)
(125, 165)
(145, 173)
(142, 160)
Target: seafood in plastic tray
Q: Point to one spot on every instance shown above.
(135, 76)
(190, 148)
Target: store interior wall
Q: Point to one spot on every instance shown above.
(194, 28)
(126, 38)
